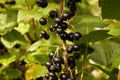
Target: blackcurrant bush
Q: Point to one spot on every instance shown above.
(63, 76)
(42, 3)
(53, 14)
(59, 30)
(43, 21)
(51, 54)
(58, 20)
(77, 36)
(76, 47)
(76, 55)
(64, 26)
(48, 64)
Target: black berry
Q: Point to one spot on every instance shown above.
(76, 55)
(53, 14)
(64, 26)
(71, 36)
(63, 76)
(70, 49)
(66, 15)
(47, 75)
(51, 54)
(77, 36)
(64, 36)
(43, 21)
(57, 60)
(42, 3)
(48, 64)
(59, 30)
(52, 68)
(76, 47)
(58, 20)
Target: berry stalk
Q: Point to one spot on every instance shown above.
(65, 55)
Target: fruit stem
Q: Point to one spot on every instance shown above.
(61, 8)
(65, 55)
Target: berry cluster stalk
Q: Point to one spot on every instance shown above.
(65, 55)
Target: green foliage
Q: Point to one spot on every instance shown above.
(20, 39)
(110, 9)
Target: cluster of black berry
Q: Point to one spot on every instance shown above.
(55, 64)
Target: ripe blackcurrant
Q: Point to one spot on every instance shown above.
(42, 3)
(47, 37)
(43, 33)
(52, 76)
(53, 14)
(64, 36)
(71, 36)
(71, 59)
(51, 54)
(12, 2)
(70, 79)
(52, 68)
(47, 75)
(58, 68)
(63, 76)
(70, 49)
(64, 26)
(57, 60)
(76, 55)
(71, 3)
(43, 21)
(58, 20)
(59, 30)
(77, 36)
(76, 47)
(66, 15)
(73, 9)
(48, 64)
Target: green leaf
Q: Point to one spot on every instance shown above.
(105, 52)
(94, 36)
(12, 38)
(114, 28)
(12, 73)
(116, 63)
(5, 60)
(30, 2)
(34, 46)
(111, 9)
(23, 28)
(35, 71)
(86, 23)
